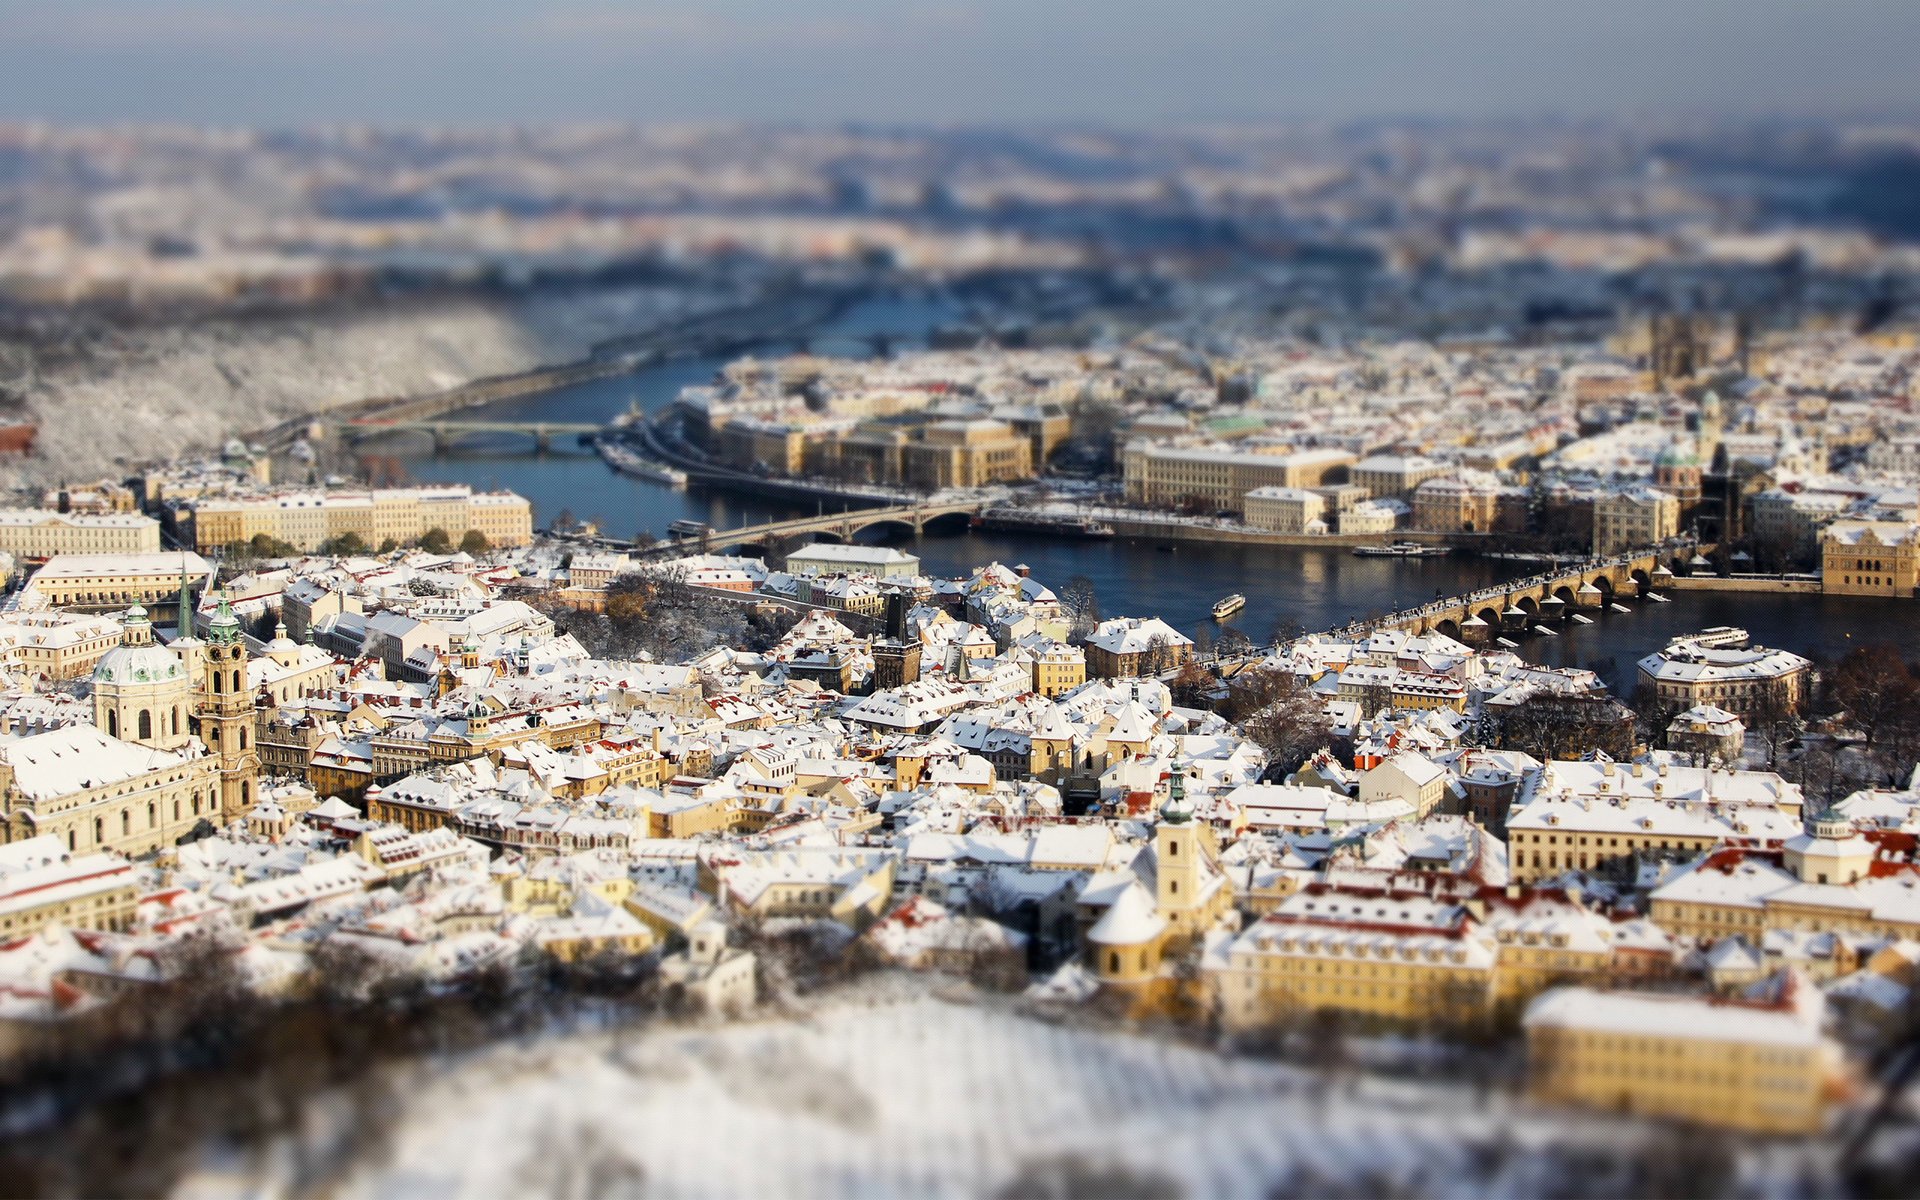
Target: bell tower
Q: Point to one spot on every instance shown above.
(1179, 856)
(227, 713)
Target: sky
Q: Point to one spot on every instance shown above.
(1121, 62)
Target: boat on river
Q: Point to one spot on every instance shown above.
(1014, 520)
(629, 461)
(1402, 550)
(1226, 606)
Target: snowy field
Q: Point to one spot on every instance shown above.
(911, 1095)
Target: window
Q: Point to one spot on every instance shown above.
(146, 724)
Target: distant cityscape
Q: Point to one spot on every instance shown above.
(325, 755)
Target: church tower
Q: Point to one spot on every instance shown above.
(1179, 859)
(226, 715)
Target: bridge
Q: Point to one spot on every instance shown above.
(445, 433)
(1518, 604)
(835, 526)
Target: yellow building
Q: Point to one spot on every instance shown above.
(1761, 1067)
(92, 792)
(57, 645)
(1870, 558)
(39, 533)
(967, 454)
(1633, 519)
(1399, 958)
(304, 520)
(1165, 475)
(113, 580)
(1058, 669)
(42, 883)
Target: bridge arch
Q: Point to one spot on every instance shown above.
(1641, 581)
(1527, 604)
(959, 517)
(1490, 615)
(1566, 595)
(1604, 582)
(894, 520)
(1448, 627)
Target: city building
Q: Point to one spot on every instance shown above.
(43, 883)
(1393, 476)
(1744, 681)
(1761, 1066)
(1170, 476)
(113, 580)
(1128, 646)
(1286, 510)
(304, 520)
(39, 533)
(833, 558)
(1634, 519)
(1870, 558)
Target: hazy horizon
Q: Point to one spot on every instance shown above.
(404, 62)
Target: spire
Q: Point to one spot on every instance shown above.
(184, 619)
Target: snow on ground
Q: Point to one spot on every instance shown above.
(919, 1096)
(155, 391)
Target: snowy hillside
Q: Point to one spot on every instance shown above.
(157, 391)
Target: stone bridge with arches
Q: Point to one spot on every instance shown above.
(839, 527)
(1519, 604)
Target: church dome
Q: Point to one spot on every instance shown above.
(138, 664)
(137, 659)
(1677, 454)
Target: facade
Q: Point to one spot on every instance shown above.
(832, 558)
(114, 580)
(57, 645)
(42, 884)
(1870, 558)
(1467, 502)
(1394, 477)
(1168, 476)
(306, 519)
(1758, 1066)
(1286, 510)
(1740, 681)
(38, 533)
(1633, 519)
(1129, 646)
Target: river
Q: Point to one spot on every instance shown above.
(1311, 588)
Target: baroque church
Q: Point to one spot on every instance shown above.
(169, 752)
